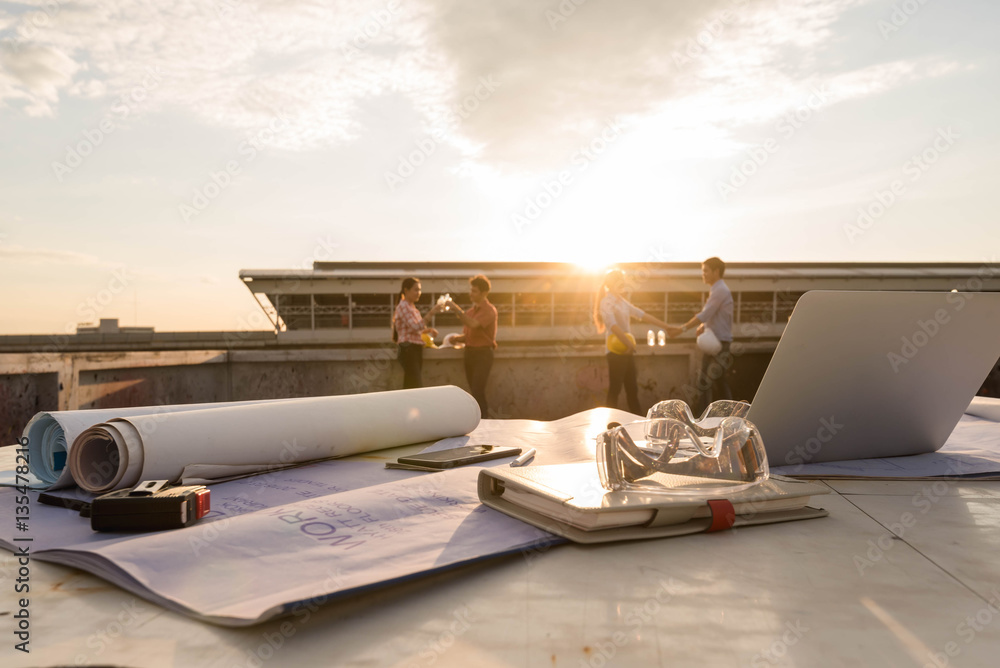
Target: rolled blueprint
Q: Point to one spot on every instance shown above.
(987, 408)
(225, 440)
(50, 434)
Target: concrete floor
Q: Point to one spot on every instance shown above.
(899, 574)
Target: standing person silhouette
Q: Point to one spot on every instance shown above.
(717, 315)
(612, 316)
(407, 327)
(480, 338)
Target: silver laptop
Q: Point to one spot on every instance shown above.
(874, 374)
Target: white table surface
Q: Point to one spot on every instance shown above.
(836, 591)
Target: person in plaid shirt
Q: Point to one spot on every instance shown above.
(407, 327)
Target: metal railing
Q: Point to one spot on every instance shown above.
(318, 316)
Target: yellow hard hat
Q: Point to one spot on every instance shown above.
(616, 346)
(428, 340)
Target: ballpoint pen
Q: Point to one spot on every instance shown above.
(524, 459)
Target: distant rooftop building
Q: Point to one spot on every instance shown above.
(110, 326)
(352, 302)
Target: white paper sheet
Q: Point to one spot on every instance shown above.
(565, 441)
(972, 450)
(987, 408)
(324, 530)
(214, 570)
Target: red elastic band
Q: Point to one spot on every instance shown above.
(723, 515)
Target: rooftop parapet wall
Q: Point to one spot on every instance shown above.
(526, 382)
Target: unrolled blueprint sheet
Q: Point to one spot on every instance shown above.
(972, 450)
(322, 530)
(273, 541)
(565, 441)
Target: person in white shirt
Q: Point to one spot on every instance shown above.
(717, 315)
(612, 316)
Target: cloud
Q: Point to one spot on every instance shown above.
(41, 256)
(557, 71)
(564, 70)
(564, 73)
(232, 63)
(35, 74)
(56, 259)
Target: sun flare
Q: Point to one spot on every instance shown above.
(594, 263)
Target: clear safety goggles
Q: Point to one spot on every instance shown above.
(672, 453)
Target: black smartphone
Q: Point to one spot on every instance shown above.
(469, 454)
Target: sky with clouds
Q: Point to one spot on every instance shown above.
(149, 151)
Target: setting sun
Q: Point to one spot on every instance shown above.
(591, 260)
